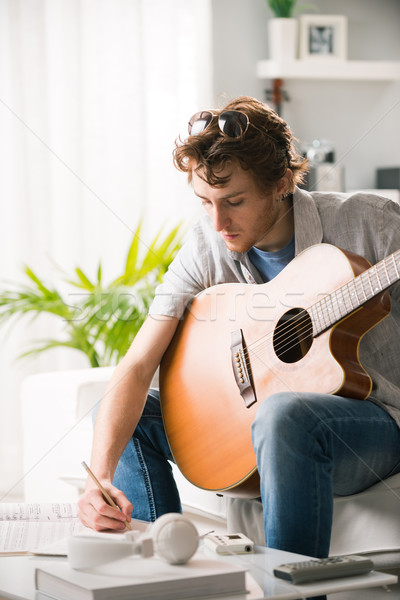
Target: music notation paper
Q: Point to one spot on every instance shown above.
(44, 528)
(38, 527)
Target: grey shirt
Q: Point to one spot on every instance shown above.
(362, 223)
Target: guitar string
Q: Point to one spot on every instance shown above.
(353, 283)
(306, 331)
(322, 310)
(305, 311)
(260, 356)
(300, 330)
(357, 281)
(302, 316)
(286, 343)
(330, 308)
(301, 337)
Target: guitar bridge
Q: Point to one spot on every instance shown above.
(241, 368)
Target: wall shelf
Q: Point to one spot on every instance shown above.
(351, 70)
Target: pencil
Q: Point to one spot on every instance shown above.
(106, 495)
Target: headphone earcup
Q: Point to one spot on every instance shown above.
(85, 552)
(175, 538)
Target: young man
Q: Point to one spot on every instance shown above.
(243, 167)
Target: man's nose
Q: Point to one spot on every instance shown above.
(220, 219)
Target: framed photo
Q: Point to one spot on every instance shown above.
(323, 37)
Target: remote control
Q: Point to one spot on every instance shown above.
(324, 568)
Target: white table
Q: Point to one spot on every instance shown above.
(17, 577)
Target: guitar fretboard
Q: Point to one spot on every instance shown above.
(346, 299)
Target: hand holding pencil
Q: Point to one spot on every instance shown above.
(104, 492)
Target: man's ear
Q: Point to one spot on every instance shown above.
(285, 184)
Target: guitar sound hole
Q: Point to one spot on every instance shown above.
(293, 335)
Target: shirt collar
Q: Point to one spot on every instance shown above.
(307, 225)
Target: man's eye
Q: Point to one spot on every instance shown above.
(235, 203)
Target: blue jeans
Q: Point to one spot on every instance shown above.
(308, 447)
(144, 472)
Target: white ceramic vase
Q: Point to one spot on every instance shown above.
(282, 39)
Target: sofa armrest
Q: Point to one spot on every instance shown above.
(56, 421)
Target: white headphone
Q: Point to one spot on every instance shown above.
(175, 538)
(172, 536)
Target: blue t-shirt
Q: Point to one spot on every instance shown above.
(269, 264)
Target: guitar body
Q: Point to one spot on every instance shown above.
(207, 422)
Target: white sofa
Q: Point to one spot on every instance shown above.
(57, 433)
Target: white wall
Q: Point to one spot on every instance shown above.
(92, 97)
(362, 119)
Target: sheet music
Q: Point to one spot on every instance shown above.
(18, 537)
(26, 527)
(54, 511)
(44, 528)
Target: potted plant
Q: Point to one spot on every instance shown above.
(283, 28)
(97, 319)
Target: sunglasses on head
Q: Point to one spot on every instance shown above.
(232, 123)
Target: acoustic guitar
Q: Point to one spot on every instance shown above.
(239, 343)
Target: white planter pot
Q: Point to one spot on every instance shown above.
(282, 39)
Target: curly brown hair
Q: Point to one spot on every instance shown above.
(266, 149)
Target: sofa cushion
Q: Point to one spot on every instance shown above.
(369, 521)
(364, 522)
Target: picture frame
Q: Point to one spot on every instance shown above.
(323, 37)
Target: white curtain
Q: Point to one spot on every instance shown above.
(93, 94)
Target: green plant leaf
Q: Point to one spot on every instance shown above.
(86, 284)
(133, 252)
(51, 345)
(282, 9)
(40, 285)
(285, 9)
(102, 320)
(99, 273)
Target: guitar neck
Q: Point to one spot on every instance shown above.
(348, 298)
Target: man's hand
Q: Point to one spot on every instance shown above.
(96, 513)
(119, 413)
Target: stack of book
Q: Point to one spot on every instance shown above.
(132, 578)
